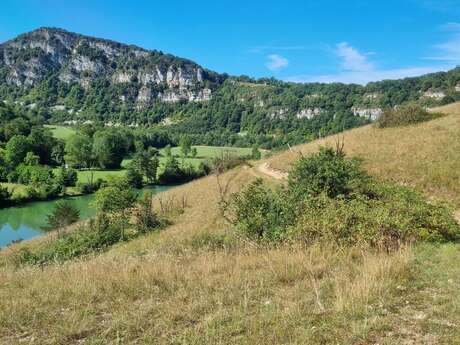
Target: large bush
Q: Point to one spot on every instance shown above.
(258, 211)
(327, 171)
(395, 215)
(404, 115)
(329, 198)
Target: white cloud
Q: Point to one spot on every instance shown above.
(276, 62)
(450, 49)
(352, 59)
(356, 68)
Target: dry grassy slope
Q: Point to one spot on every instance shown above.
(426, 155)
(162, 289)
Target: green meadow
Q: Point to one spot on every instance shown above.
(61, 132)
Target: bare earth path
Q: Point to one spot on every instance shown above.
(266, 169)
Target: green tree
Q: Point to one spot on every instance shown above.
(116, 198)
(16, 150)
(168, 151)
(63, 215)
(109, 149)
(31, 159)
(42, 143)
(185, 145)
(146, 163)
(58, 153)
(255, 154)
(79, 149)
(134, 176)
(171, 171)
(68, 177)
(17, 126)
(194, 152)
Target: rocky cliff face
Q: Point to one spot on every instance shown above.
(71, 59)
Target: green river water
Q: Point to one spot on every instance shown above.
(25, 222)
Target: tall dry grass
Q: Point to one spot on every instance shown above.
(250, 296)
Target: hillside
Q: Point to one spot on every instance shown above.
(196, 282)
(64, 76)
(426, 156)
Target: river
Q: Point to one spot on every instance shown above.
(25, 222)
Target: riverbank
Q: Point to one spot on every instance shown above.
(24, 222)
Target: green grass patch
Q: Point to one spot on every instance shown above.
(207, 152)
(61, 132)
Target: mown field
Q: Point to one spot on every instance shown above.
(197, 282)
(61, 132)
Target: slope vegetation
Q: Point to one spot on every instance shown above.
(197, 282)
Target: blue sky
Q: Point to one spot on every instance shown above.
(347, 41)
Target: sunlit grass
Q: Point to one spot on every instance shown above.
(61, 132)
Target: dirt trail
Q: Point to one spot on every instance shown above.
(266, 169)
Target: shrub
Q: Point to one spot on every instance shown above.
(173, 172)
(63, 214)
(258, 211)
(67, 177)
(115, 195)
(226, 161)
(329, 198)
(96, 236)
(90, 187)
(397, 215)
(404, 115)
(327, 171)
(208, 241)
(145, 217)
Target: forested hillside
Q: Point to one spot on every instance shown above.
(67, 77)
